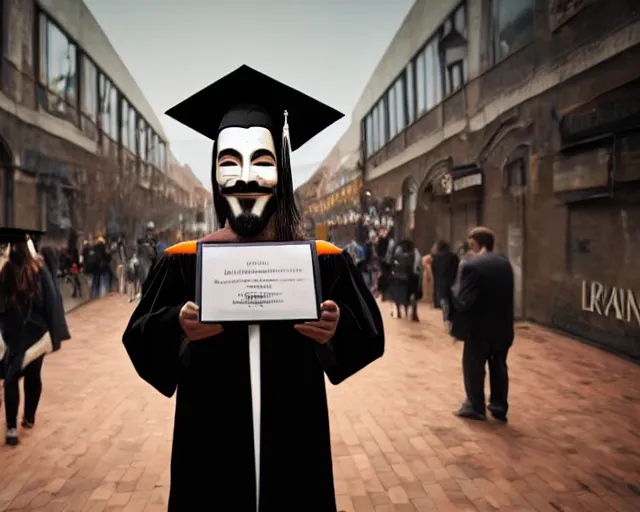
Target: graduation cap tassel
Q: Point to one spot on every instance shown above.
(286, 143)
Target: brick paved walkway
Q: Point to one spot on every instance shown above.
(573, 443)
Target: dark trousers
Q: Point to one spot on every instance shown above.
(413, 305)
(77, 286)
(32, 391)
(475, 355)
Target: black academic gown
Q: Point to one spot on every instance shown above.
(212, 464)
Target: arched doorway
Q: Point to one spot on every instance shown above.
(6, 173)
(433, 215)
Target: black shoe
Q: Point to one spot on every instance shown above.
(498, 414)
(26, 423)
(468, 413)
(11, 438)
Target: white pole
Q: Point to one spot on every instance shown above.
(256, 400)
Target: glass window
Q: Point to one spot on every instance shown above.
(513, 25)
(369, 134)
(154, 145)
(391, 101)
(376, 124)
(456, 76)
(150, 147)
(102, 101)
(133, 127)
(433, 75)
(124, 116)
(108, 107)
(113, 106)
(460, 20)
(161, 155)
(142, 134)
(89, 83)
(400, 106)
(420, 84)
(59, 56)
(411, 94)
(382, 119)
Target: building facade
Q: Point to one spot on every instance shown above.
(522, 115)
(331, 199)
(80, 146)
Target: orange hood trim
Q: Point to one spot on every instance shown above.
(323, 248)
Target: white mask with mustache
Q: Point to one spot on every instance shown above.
(246, 155)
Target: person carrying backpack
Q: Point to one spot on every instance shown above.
(406, 277)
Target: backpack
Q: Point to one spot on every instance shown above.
(403, 264)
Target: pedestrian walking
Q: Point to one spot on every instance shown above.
(97, 264)
(32, 323)
(444, 268)
(74, 260)
(483, 318)
(133, 276)
(406, 276)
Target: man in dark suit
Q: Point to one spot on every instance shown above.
(483, 319)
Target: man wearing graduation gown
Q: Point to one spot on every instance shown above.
(222, 458)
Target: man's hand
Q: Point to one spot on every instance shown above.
(323, 330)
(193, 329)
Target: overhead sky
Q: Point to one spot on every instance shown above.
(325, 48)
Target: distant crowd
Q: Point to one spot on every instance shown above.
(395, 271)
(104, 264)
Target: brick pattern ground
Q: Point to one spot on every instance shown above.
(102, 440)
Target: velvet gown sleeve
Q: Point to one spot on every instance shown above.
(359, 338)
(153, 337)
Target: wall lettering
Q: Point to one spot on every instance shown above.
(612, 302)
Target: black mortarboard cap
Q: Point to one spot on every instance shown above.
(241, 99)
(14, 235)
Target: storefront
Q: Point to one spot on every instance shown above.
(596, 176)
(450, 204)
(465, 185)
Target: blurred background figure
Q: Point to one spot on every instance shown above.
(444, 269)
(32, 323)
(97, 262)
(384, 253)
(406, 277)
(133, 274)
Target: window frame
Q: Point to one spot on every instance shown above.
(84, 58)
(72, 108)
(124, 122)
(111, 127)
(495, 54)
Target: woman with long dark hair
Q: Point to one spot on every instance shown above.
(30, 307)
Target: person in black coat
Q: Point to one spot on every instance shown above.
(444, 268)
(483, 318)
